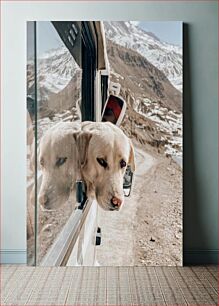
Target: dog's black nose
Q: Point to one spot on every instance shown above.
(116, 202)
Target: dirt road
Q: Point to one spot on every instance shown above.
(148, 229)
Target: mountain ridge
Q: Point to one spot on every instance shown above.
(166, 57)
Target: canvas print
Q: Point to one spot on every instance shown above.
(104, 143)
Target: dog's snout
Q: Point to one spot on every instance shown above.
(43, 199)
(116, 202)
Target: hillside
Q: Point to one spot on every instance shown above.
(164, 56)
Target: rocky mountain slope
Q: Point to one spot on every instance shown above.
(154, 112)
(164, 56)
(135, 72)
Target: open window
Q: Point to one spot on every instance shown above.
(64, 84)
(54, 93)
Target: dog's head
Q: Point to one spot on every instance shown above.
(57, 158)
(105, 152)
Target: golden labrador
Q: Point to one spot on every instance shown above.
(104, 152)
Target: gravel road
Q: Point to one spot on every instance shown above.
(148, 228)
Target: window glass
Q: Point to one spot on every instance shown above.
(30, 104)
(58, 96)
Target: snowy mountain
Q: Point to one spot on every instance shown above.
(164, 56)
(135, 73)
(55, 70)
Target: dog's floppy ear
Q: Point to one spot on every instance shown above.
(131, 160)
(82, 140)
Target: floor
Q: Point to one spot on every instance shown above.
(23, 285)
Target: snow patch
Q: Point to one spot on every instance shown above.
(164, 56)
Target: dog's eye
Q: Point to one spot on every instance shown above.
(41, 162)
(60, 161)
(122, 163)
(102, 162)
